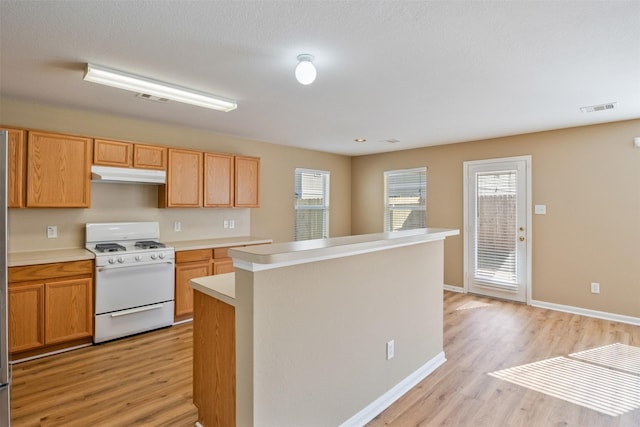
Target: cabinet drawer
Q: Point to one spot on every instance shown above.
(220, 253)
(50, 271)
(195, 255)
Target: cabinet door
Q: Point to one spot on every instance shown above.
(16, 160)
(26, 317)
(184, 293)
(149, 157)
(184, 180)
(68, 310)
(224, 265)
(218, 180)
(58, 171)
(112, 153)
(247, 182)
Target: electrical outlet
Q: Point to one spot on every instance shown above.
(226, 223)
(52, 231)
(232, 223)
(177, 226)
(390, 349)
(595, 288)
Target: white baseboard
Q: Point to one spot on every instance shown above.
(384, 401)
(453, 288)
(586, 312)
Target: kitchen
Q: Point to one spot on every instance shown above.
(565, 259)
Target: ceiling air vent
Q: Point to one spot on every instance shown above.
(601, 107)
(152, 97)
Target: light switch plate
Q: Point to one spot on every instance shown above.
(52, 231)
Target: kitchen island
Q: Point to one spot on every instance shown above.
(320, 332)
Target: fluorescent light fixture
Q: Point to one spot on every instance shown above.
(120, 79)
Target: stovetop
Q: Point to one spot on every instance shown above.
(109, 247)
(124, 242)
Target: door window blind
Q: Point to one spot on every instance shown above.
(311, 204)
(496, 224)
(405, 199)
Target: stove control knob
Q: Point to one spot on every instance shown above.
(161, 255)
(138, 258)
(120, 259)
(112, 260)
(154, 256)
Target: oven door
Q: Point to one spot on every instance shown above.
(121, 287)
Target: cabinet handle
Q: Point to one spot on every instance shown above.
(136, 310)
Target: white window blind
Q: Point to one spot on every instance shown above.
(405, 198)
(496, 227)
(311, 204)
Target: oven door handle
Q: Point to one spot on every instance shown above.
(137, 310)
(140, 264)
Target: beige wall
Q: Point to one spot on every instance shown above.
(589, 179)
(310, 361)
(121, 202)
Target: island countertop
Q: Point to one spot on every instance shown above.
(218, 286)
(283, 254)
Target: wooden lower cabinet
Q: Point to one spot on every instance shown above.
(214, 361)
(196, 263)
(50, 307)
(68, 314)
(26, 317)
(184, 293)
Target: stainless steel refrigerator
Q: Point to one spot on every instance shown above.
(5, 377)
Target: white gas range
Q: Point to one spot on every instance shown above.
(134, 278)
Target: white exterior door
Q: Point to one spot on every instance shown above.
(497, 228)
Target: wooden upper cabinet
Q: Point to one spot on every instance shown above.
(58, 170)
(127, 154)
(112, 153)
(149, 157)
(184, 180)
(16, 164)
(247, 182)
(218, 180)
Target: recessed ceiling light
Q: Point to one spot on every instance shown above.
(360, 140)
(392, 140)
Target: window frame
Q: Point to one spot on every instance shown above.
(388, 207)
(324, 207)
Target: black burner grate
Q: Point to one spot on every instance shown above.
(109, 247)
(149, 244)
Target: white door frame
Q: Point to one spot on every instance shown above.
(467, 230)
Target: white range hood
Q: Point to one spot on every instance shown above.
(127, 175)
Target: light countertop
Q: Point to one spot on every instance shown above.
(187, 245)
(254, 258)
(219, 286)
(20, 259)
(24, 258)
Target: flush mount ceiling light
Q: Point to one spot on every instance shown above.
(139, 84)
(305, 70)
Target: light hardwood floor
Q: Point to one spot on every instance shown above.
(499, 336)
(146, 380)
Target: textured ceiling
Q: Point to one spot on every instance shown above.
(423, 73)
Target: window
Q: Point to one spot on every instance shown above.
(311, 204)
(405, 198)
